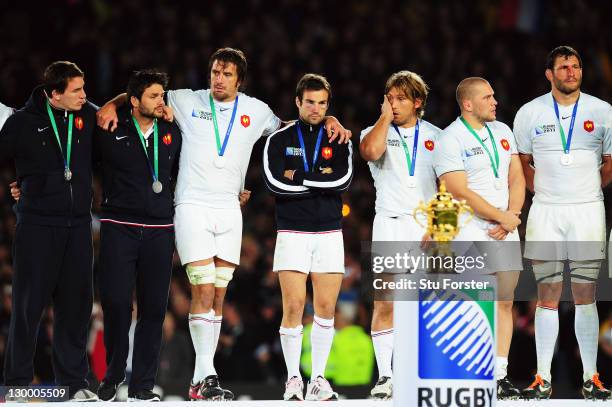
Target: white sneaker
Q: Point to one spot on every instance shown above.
(294, 389)
(320, 390)
(84, 395)
(383, 389)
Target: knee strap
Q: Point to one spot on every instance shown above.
(224, 276)
(548, 272)
(585, 271)
(201, 274)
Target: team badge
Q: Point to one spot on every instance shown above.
(326, 153)
(504, 143)
(167, 139)
(245, 120)
(429, 144)
(78, 122)
(589, 125)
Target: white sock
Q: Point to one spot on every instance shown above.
(586, 326)
(546, 332)
(218, 319)
(501, 367)
(383, 349)
(202, 330)
(321, 338)
(291, 342)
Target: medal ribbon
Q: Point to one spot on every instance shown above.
(59, 143)
(566, 143)
(316, 151)
(494, 163)
(155, 168)
(411, 163)
(221, 148)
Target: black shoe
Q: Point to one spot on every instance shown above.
(594, 389)
(539, 389)
(107, 391)
(506, 390)
(144, 395)
(211, 390)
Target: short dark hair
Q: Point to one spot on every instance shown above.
(58, 74)
(141, 80)
(312, 81)
(230, 55)
(564, 51)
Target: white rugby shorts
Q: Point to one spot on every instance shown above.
(309, 252)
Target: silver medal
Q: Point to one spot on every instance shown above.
(157, 187)
(499, 184)
(220, 161)
(67, 174)
(411, 182)
(566, 159)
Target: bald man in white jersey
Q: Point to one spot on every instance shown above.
(399, 149)
(220, 125)
(565, 144)
(478, 161)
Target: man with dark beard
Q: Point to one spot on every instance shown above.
(563, 138)
(139, 162)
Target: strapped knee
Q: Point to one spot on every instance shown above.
(201, 274)
(224, 276)
(548, 272)
(585, 271)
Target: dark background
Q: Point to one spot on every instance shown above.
(356, 45)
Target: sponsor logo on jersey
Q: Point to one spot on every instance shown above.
(589, 125)
(293, 151)
(456, 338)
(167, 139)
(78, 122)
(245, 120)
(545, 128)
(470, 152)
(429, 144)
(393, 143)
(201, 114)
(505, 144)
(326, 153)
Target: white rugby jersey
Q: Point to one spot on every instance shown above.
(5, 112)
(394, 196)
(199, 180)
(537, 132)
(460, 151)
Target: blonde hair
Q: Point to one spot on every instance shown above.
(412, 85)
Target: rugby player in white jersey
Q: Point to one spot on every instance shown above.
(220, 125)
(565, 144)
(478, 160)
(399, 150)
(5, 112)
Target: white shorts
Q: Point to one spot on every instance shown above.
(396, 235)
(579, 231)
(203, 233)
(501, 255)
(309, 252)
(396, 229)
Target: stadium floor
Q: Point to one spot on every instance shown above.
(352, 403)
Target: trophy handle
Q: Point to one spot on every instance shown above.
(466, 208)
(420, 208)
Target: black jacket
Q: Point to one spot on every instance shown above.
(127, 193)
(311, 202)
(28, 138)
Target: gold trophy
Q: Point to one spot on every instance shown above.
(443, 213)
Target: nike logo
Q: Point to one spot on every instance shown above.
(223, 109)
(565, 117)
(120, 138)
(484, 139)
(43, 129)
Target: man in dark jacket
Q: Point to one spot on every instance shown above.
(50, 141)
(139, 162)
(307, 174)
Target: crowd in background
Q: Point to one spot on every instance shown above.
(356, 45)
